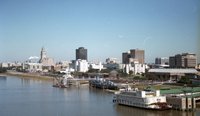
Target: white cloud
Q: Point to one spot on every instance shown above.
(33, 57)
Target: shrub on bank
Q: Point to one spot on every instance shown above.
(3, 70)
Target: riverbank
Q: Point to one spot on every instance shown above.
(27, 75)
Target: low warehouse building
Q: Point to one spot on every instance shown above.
(170, 74)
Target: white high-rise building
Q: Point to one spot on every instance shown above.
(81, 65)
(136, 67)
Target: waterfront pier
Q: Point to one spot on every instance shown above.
(184, 101)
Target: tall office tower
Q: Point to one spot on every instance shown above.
(190, 60)
(81, 53)
(185, 60)
(125, 58)
(172, 62)
(133, 55)
(158, 61)
(137, 54)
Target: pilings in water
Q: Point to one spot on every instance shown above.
(182, 103)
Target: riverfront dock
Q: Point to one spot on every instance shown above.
(185, 100)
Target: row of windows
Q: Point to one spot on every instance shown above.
(127, 98)
(34, 67)
(131, 103)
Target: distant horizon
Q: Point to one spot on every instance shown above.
(105, 28)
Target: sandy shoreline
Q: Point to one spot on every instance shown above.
(27, 75)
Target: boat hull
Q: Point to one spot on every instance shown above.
(147, 108)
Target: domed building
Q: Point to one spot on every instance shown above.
(114, 74)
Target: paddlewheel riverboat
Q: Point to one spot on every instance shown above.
(142, 99)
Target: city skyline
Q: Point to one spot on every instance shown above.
(105, 28)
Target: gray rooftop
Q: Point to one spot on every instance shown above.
(193, 71)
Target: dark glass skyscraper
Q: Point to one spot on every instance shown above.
(81, 53)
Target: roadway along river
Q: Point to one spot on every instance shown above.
(27, 97)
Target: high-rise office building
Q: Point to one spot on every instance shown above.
(190, 60)
(162, 61)
(125, 58)
(81, 53)
(185, 60)
(172, 62)
(137, 54)
(133, 55)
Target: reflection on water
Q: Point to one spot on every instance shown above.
(25, 81)
(25, 97)
(3, 78)
(126, 111)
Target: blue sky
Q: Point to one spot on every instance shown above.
(105, 27)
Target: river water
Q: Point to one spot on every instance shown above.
(28, 97)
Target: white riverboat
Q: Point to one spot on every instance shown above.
(142, 99)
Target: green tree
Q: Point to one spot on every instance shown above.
(184, 80)
(105, 70)
(131, 72)
(93, 71)
(3, 70)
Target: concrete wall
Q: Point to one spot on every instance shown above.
(177, 102)
(181, 103)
